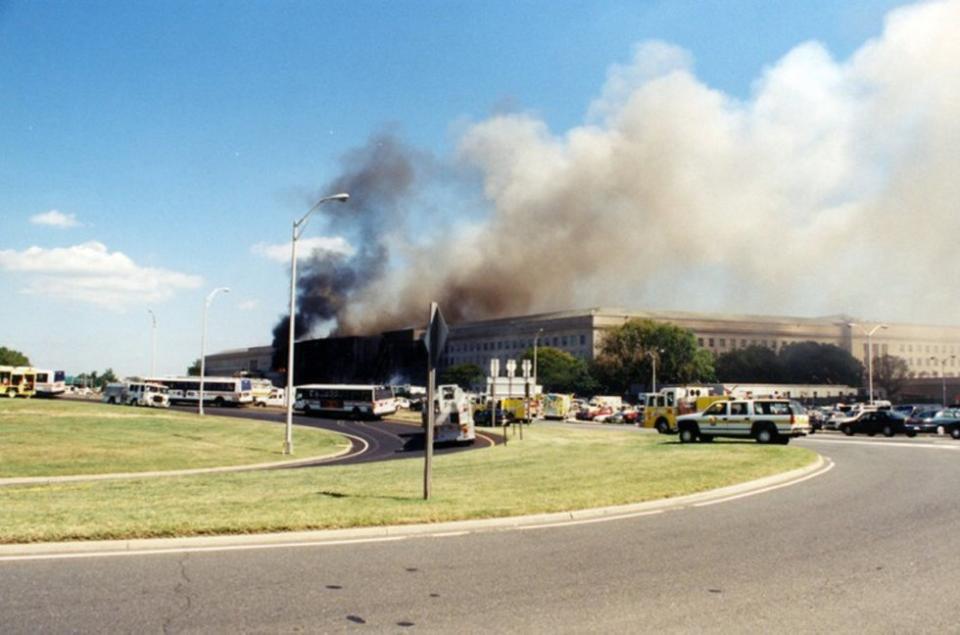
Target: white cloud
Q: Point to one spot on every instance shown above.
(248, 305)
(55, 218)
(305, 248)
(89, 272)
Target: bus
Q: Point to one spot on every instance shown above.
(50, 383)
(453, 416)
(219, 391)
(346, 399)
(17, 381)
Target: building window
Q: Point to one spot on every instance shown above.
(710, 342)
(723, 342)
(699, 341)
(583, 340)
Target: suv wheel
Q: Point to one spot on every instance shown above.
(847, 430)
(887, 431)
(955, 433)
(688, 435)
(765, 435)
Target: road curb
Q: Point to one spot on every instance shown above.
(80, 478)
(334, 536)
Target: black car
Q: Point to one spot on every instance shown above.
(481, 417)
(878, 422)
(948, 420)
(924, 420)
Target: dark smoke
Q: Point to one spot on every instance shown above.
(379, 178)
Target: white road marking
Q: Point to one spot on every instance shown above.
(159, 552)
(727, 499)
(891, 444)
(589, 521)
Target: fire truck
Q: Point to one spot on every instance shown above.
(661, 409)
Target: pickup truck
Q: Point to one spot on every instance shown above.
(766, 420)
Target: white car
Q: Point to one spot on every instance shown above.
(766, 420)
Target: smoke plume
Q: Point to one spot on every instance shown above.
(832, 188)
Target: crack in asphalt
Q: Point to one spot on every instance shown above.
(180, 590)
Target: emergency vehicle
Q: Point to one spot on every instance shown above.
(661, 409)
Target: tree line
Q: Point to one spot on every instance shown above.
(627, 354)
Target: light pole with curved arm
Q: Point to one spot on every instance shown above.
(869, 335)
(298, 227)
(654, 355)
(943, 376)
(153, 345)
(536, 340)
(203, 340)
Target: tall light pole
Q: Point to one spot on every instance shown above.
(153, 345)
(653, 358)
(203, 340)
(536, 340)
(869, 335)
(298, 227)
(943, 376)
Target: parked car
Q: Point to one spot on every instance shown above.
(923, 420)
(943, 422)
(877, 422)
(481, 417)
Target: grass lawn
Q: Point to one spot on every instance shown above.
(553, 469)
(53, 438)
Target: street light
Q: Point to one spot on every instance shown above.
(536, 340)
(943, 376)
(653, 358)
(203, 340)
(298, 227)
(869, 335)
(153, 346)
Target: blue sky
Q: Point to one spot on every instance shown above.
(178, 135)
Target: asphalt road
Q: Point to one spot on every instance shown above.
(870, 546)
(375, 440)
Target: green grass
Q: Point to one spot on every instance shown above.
(55, 438)
(553, 469)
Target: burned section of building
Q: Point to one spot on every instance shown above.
(393, 357)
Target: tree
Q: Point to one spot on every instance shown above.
(10, 357)
(623, 360)
(815, 363)
(193, 370)
(890, 373)
(751, 364)
(463, 375)
(559, 371)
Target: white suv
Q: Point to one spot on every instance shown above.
(766, 420)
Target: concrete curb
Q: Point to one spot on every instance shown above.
(80, 478)
(333, 536)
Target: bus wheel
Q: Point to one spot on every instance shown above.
(662, 426)
(356, 414)
(218, 402)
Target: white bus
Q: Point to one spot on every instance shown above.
(219, 391)
(50, 383)
(453, 416)
(354, 400)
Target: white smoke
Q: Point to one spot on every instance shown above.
(834, 188)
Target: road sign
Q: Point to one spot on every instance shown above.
(436, 336)
(494, 367)
(526, 365)
(511, 367)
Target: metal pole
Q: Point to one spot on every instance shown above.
(288, 429)
(536, 340)
(870, 363)
(428, 433)
(203, 352)
(153, 346)
(203, 341)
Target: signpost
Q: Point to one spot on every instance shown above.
(434, 339)
(525, 366)
(494, 373)
(511, 371)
